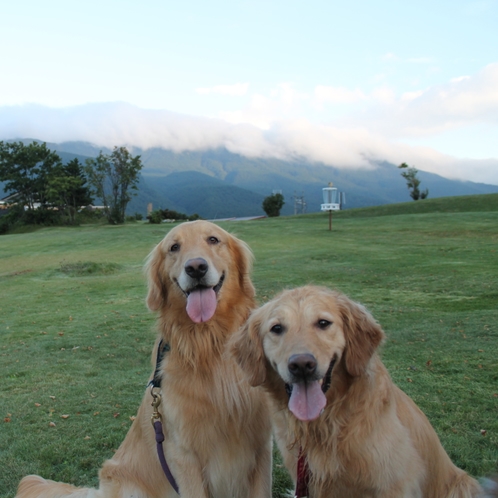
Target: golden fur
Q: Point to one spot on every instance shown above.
(370, 440)
(217, 428)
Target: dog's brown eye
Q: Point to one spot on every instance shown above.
(323, 324)
(213, 240)
(277, 329)
(174, 248)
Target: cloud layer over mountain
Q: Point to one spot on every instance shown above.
(348, 146)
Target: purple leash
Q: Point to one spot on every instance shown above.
(155, 383)
(158, 428)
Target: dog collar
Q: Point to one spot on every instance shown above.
(162, 349)
(303, 476)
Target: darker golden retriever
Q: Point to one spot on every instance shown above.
(217, 428)
(314, 352)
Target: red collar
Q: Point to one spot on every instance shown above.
(303, 476)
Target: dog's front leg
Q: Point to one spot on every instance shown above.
(263, 474)
(188, 474)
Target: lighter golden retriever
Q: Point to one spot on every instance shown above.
(217, 428)
(314, 351)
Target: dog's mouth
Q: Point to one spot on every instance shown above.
(307, 398)
(202, 301)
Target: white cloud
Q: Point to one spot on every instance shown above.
(383, 95)
(337, 95)
(122, 124)
(459, 78)
(465, 99)
(237, 90)
(284, 102)
(407, 96)
(274, 125)
(462, 101)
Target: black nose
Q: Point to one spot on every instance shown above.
(196, 268)
(302, 366)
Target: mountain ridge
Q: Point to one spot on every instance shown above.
(218, 183)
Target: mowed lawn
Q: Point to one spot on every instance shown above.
(75, 335)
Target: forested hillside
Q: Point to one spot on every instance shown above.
(218, 183)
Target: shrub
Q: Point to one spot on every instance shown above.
(273, 204)
(135, 217)
(155, 217)
(168, 214)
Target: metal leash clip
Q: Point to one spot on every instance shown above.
(156, 401)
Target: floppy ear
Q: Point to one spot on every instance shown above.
(157, 289)
(363, 335)
(247, 348)
(243, 259)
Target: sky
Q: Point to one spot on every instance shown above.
(343, 83)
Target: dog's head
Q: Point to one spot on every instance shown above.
(303, 335)
(198, 267)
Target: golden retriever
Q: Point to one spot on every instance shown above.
(314, 351)
(217, 428)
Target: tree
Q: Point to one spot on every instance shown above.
(273, 204)
(412, 182)
(66, 189)
(113, 177)
(81, 195)
(41, 183)
(26, 170)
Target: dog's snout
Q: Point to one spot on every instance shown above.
(196, 268)
(302, 366)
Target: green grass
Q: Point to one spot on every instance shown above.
(75, 336)
(460, 204)
(82, 268)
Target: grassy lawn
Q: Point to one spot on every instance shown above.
(75, 335)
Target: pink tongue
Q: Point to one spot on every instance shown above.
(307, 400)
(201, 305)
